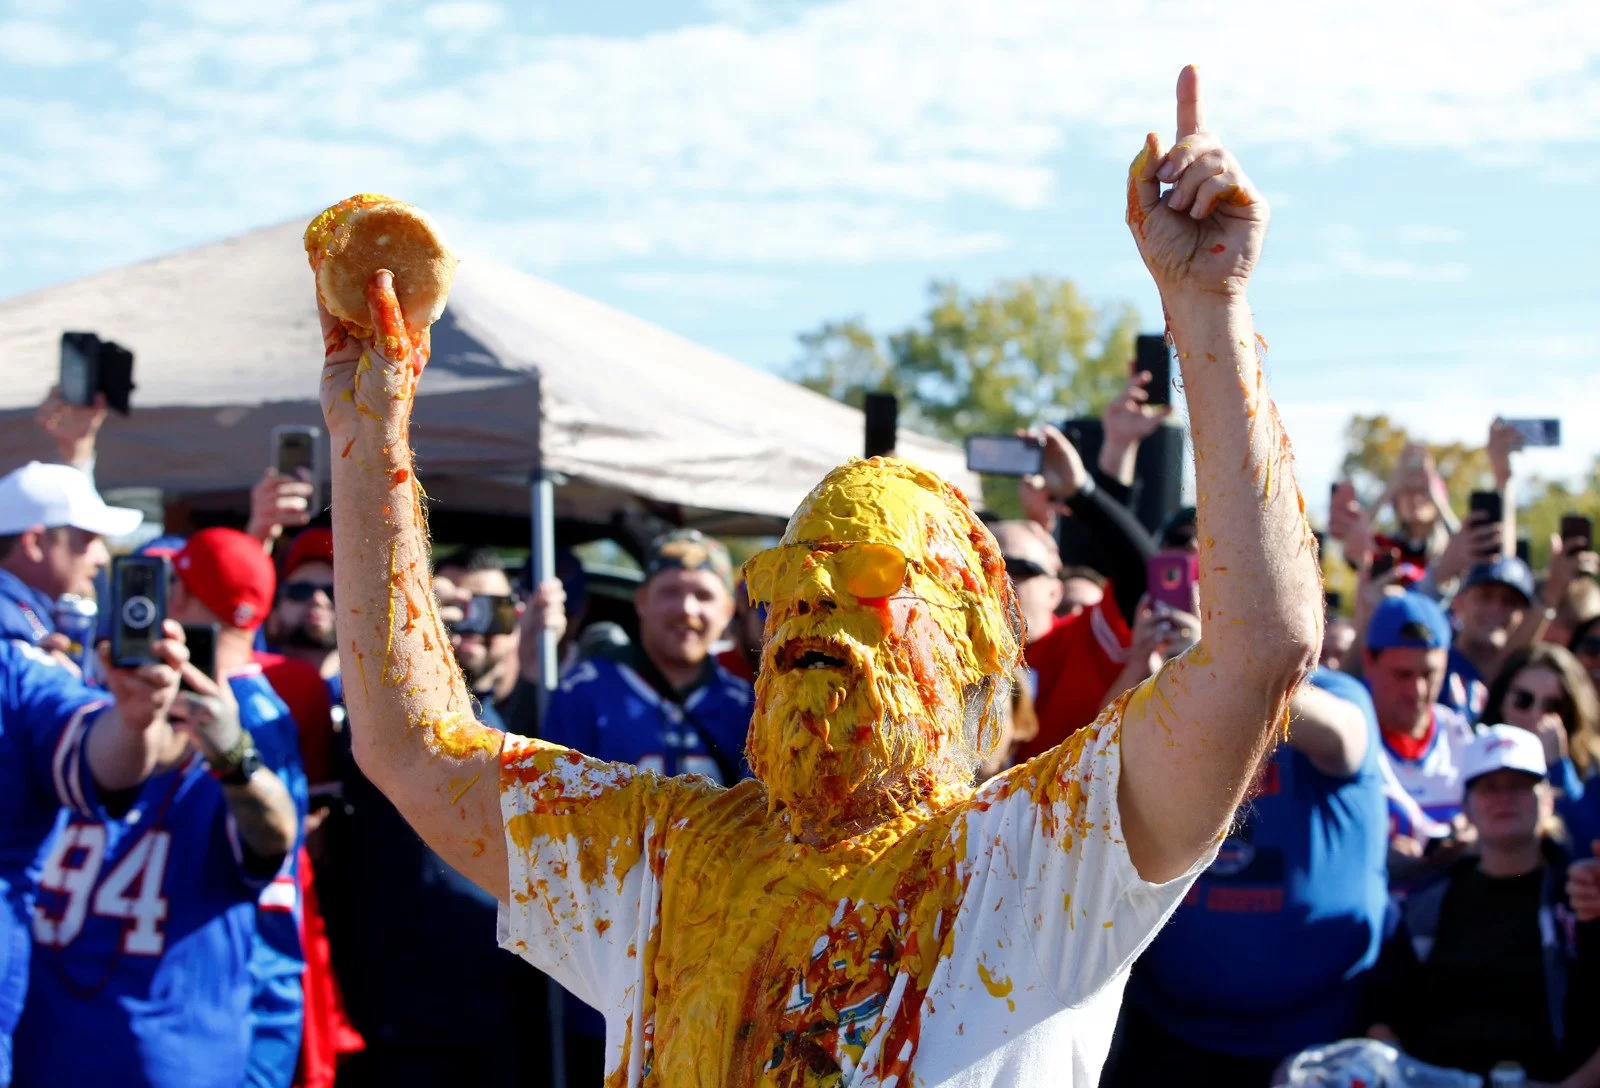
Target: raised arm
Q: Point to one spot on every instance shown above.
(1193, 737)
(412, 727)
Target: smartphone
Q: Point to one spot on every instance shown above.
(1171, 577)
(1538, 432)
(1384, 561)
(1578, 527)
(488, 616)
(296, 451)
(1333, 601)
(1489, 504)
(138, 608)
(1525, 550)
(1152, 356)
(90, 365)
(882, 412)
(201, 638)
(80, 367)
(1004, 455)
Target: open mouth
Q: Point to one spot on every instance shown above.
(812, 653)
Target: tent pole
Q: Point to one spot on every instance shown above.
(542, 566)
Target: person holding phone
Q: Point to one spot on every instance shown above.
(222, 576)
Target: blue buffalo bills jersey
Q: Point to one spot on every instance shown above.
(142, 939)
(45, 712)
(277, 962)
(607, 709)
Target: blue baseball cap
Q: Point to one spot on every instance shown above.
(1507, 571)
(1408, 621)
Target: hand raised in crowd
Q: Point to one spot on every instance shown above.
(1504, 440)
(545, 610)
(1159, 632)
(72, 426)
(1569, 561)
(1044, 496)
(207, 714)
(1187, 248)
(1583, 886)
(1349, 523)
(146, 694)
(1477, 541)
(1128, 420)
(279, 502)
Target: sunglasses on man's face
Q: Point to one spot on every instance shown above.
(1523, 699)
(303, 592)
(1021, 570)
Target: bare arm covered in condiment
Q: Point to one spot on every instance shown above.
(413, 730)
(1194, 735)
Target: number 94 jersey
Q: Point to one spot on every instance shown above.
(142, 939)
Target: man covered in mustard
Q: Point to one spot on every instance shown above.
(859, 913)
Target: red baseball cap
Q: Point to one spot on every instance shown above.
(311, 546)
(229, 573)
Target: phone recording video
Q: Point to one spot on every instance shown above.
(1489, 506)
(1537, 432)
(138, 608)
(297, 452)
(91, 366)
(1153, 356)
(201, 639)
(487, 616)
(1171, 578)
(1004, 455)
(1578, 528)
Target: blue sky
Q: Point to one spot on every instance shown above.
(739, 170)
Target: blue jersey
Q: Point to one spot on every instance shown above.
(277, 961)
(606, 709)
(45, 712)
(1265, 955)
(142, 938)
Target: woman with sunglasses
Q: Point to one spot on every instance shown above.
(1585, 646)
(1544, 690)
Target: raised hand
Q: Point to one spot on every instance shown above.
(277, 502)
(370, 379)
(1129, 418)
(1204, 235)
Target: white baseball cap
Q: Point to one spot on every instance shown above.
(1503, 748)
(54, 496)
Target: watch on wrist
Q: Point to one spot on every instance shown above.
(235, 766)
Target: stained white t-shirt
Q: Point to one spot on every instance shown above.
(986, 943)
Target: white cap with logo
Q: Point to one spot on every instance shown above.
(1503, 748)
(56, 496)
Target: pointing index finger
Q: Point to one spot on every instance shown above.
(1190, 117)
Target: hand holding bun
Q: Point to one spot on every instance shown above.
(349, 242)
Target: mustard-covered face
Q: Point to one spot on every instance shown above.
(888, 602)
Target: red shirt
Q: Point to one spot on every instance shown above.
(1074, 664)
(305, 693)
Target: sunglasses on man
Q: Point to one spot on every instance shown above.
(303, 592)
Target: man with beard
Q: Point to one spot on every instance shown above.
(301, 625)
(857, 912)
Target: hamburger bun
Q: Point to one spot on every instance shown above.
(352, 240)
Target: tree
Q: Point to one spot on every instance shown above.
(1027, 351)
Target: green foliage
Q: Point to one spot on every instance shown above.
(1027, 351)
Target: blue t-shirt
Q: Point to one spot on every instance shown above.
(143, 933)
(45, 712)
(1265, 955)
(277, 959)
(1464, 689)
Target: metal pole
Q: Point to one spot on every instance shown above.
(542, 566)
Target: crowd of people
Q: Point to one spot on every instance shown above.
(204, 887)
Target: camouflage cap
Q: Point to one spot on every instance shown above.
(689, 549)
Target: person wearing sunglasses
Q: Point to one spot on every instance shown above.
(859, 911)
(1585, 646)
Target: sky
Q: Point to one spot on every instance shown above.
(739, 171)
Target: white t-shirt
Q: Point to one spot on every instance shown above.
(986, 943)
(1432, 782)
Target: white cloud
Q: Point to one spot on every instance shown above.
(45, 45)
(467, 17)
(1357, 263)
(1422, 234)
(718, 286)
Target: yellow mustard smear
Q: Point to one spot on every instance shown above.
(323, 229)
(767, 939)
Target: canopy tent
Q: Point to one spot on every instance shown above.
(228, 347)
